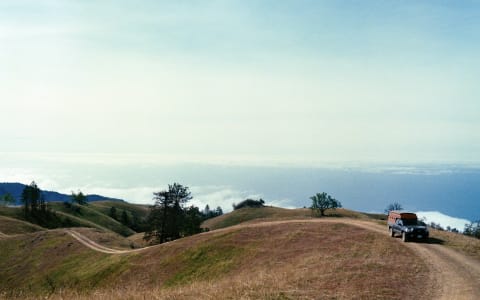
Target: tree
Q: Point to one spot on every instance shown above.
(79, 198)
(249, 203)
(322, 202)
(207, 212)
(31, 195)
(472, 229)
(113, 212)
(218, 211)
(393, 206)
(193, 220)
(7, 199)
(125, 220)
(166, 215)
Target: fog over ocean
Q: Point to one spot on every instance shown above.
(452, 190)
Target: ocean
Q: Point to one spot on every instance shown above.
(453, 190)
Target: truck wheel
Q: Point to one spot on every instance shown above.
(390, 230)
(404, 236)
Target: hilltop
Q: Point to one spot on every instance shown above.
(259, 214)
(256, 253)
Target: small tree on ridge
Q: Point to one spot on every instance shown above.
(322, 202)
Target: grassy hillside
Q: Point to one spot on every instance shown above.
(104, 207)
(279, 261)
(111, 239)
(271, 213)
(57, 219)
(43, 262)
(13, 226)
(94, 216)
(465, 244)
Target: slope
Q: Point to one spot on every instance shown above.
(104, 207)
(89, 213)
(13, 226)
(283, 259)
(55, 220)
(271, 213)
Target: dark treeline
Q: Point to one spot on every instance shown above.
(35, 209)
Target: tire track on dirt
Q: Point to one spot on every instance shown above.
(94, 245)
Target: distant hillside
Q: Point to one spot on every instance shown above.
(94, 215)
(16, 189)
(275, 213)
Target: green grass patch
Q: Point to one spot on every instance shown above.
(206, 261)
(46, 262)
(9, 225)
(89, 214)
(139, 210)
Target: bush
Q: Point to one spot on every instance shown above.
(249, 203)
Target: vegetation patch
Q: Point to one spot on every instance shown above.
(205, 262)
(46, 262)
(93, 216)
(10, 225)
(249, 213)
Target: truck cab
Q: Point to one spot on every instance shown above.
(407, 225)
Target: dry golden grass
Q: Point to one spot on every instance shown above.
(464, 244)
(280, 261)
(261, 214)
(13, 226)
(138, 240)
(109, 238)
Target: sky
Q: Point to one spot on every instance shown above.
(370, 101)
(295, 82)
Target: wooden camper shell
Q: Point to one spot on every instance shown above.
(394, 215)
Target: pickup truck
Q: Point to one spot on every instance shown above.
(407, 225)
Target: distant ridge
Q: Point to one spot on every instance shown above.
(15, 189)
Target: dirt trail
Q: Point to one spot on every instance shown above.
(3, 235)
(95, 246)
(452, 274)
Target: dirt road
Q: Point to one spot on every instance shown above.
(452, 274)
(93, 245)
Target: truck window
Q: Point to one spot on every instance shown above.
(410, 221)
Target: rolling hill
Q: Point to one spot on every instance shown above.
(94, 215)
(261, 253)
(284, 260)
(268, 213)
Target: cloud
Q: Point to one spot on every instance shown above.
(223, 196)
(443, 220)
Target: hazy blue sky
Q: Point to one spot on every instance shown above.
(281, 81)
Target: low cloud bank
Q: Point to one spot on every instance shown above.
(442, 219)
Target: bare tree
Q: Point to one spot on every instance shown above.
(393, 206)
